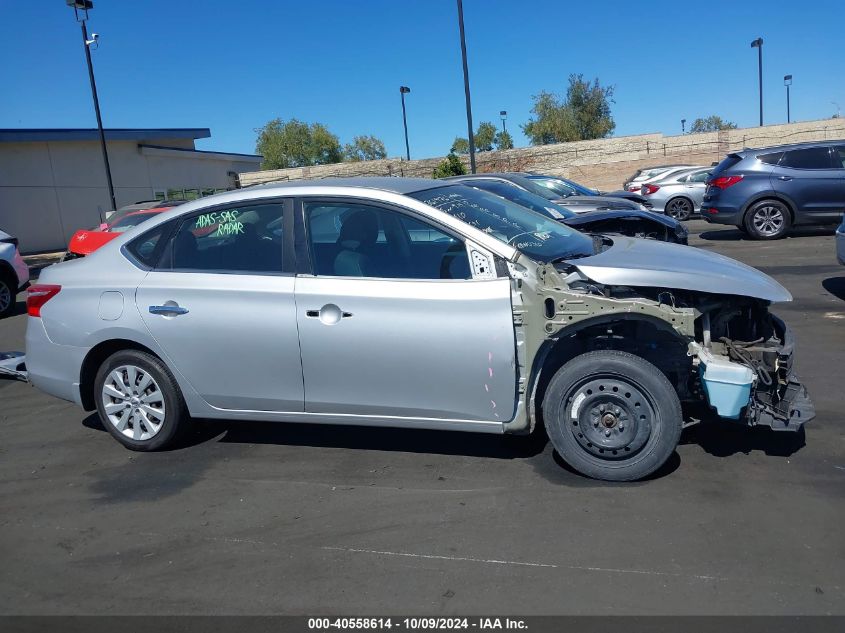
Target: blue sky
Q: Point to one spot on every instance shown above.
(231, 66)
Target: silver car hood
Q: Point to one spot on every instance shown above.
(640, 262)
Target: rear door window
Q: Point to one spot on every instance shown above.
(247, 239)
(809, 158)
(839, 156)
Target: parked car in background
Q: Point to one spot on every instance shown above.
(647, 173)
(679, 194)
(567, 188)
(560, 193)
(14, 273)
(278, 302)
(840, 242)
(630, 222)
(766, 191)
(86, 241)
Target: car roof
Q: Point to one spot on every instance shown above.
(401, 186)
(789, 146)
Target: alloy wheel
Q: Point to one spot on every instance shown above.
(5, 296)
(133, 402)
(768, 220)
(680, 209)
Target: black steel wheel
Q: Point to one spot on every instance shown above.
(612, 415)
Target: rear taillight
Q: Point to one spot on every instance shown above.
(647, 190)
(38, 295)
(723, 182)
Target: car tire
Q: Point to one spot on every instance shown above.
(767, 220)
(679, 208)
(8, 294)
(612, 415)
(139, 401)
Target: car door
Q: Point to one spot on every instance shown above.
(393, 321)
(695, 186)
(220, 303)
(808, 178)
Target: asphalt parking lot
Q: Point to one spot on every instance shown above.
(276, 518)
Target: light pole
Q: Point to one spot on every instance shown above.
(683, 126)
(466, 87)
(787, 81)
(403, 90)
(504, 115)
(758, 44)
(84, 6)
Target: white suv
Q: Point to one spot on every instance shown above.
(14, 273)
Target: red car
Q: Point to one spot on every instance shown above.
(86, 241)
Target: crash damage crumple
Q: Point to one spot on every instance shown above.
(636, 262)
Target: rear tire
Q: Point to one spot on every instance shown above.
(679, 208)
(139, 401)
(767, 220)
(612, 415)
(8, 294)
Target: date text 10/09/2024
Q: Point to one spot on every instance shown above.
(422, 623)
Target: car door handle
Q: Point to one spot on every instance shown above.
(329, 314)
(168, 310)
(784, 177)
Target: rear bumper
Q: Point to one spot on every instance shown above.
(715, 213)
(53, 368)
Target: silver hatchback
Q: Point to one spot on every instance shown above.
(410, 303)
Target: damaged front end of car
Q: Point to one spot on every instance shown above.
(725, 350)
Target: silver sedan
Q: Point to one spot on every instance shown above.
(678, 194)
(410, 303)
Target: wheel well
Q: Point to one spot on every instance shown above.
(767, 198)
(7, 272)
(98, 354)
(680, 195)
(651, 339)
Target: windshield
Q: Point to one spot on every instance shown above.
(542, 239)
(128, 221)
(524, 198)
(561, 184)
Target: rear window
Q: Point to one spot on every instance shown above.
(809, 158)
(147, 247)
(729, 161)
(770, 159)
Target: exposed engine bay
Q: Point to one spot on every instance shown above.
(726, 350)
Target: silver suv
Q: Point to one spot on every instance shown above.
(410, 303)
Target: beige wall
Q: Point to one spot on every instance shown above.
(48, 190)
(603, 164)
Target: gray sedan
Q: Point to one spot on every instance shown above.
(679, 194)
(410, 303)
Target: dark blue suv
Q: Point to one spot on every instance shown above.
(764, 192)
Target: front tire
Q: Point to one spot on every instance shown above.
(139, 401)
(679, 208)
(767, 220)
(612, 415)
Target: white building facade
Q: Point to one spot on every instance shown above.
(53, 181)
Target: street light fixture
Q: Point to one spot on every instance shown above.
(683, 126)
(403, 90)
(80, 10)
(466, 87)
(758, 44)
(504, 115)
(787, 81)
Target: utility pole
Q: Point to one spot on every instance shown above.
(403, 90)
(758, 44)
(466, 87)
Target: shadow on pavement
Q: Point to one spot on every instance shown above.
(735, 235)
(835, 286)
(722, 439)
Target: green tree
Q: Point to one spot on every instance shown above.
(485, 136)
(364, 148)
(450, 166)
(711, 123)
(296, 144)
(584, 114)
(460, 146)
(503, 140)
